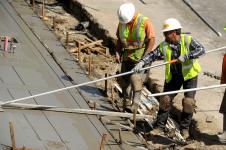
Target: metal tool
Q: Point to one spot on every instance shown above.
(187, 90)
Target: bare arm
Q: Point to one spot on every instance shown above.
(150, 37)
(149, 46)
(118, 49)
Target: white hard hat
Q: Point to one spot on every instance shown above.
(126, 12)
(171, 24)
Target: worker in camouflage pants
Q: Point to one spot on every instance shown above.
(135, 38)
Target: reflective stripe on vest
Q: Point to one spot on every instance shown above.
(190, 68)
(133, 40)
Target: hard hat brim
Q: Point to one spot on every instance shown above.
(166, 30)
(171, 24)
(124, 21)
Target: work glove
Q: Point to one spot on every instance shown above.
(182, 58)
(138, 66)
(117, 57)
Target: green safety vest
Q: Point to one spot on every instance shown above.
(190, 68)
(133, 41)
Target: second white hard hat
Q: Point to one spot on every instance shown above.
(126, 12)
(171, 24)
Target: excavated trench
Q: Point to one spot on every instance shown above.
(96, 30)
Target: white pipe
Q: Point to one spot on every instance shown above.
(76, 110)
(82, 84)
(187, 90)
(214, 50)
(98, 80)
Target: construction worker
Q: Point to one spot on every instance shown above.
(222, 137)
(135, 38)
(185, 49)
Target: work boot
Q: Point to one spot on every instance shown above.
(185, 120)
(162, 118)
(185, 133)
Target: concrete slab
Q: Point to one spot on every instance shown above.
(31, 70)
(212, 12)
(70, 68)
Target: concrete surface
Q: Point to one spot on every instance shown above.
(70, 69)
(212, 14)
(32, 70)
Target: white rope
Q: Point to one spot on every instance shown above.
(187, 90)
(78, 85)
(214, 50)
(98, 80)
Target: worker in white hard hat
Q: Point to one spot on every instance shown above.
(184, 72)
(135, 38)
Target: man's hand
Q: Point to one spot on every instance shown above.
(138, 66)
(182, 58)
(118, 59)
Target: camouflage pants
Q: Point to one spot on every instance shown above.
(133, 80)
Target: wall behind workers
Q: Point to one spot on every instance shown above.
(82, 13)
(103, 20)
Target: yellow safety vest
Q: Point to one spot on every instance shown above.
(133, 41)
(190, 68)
